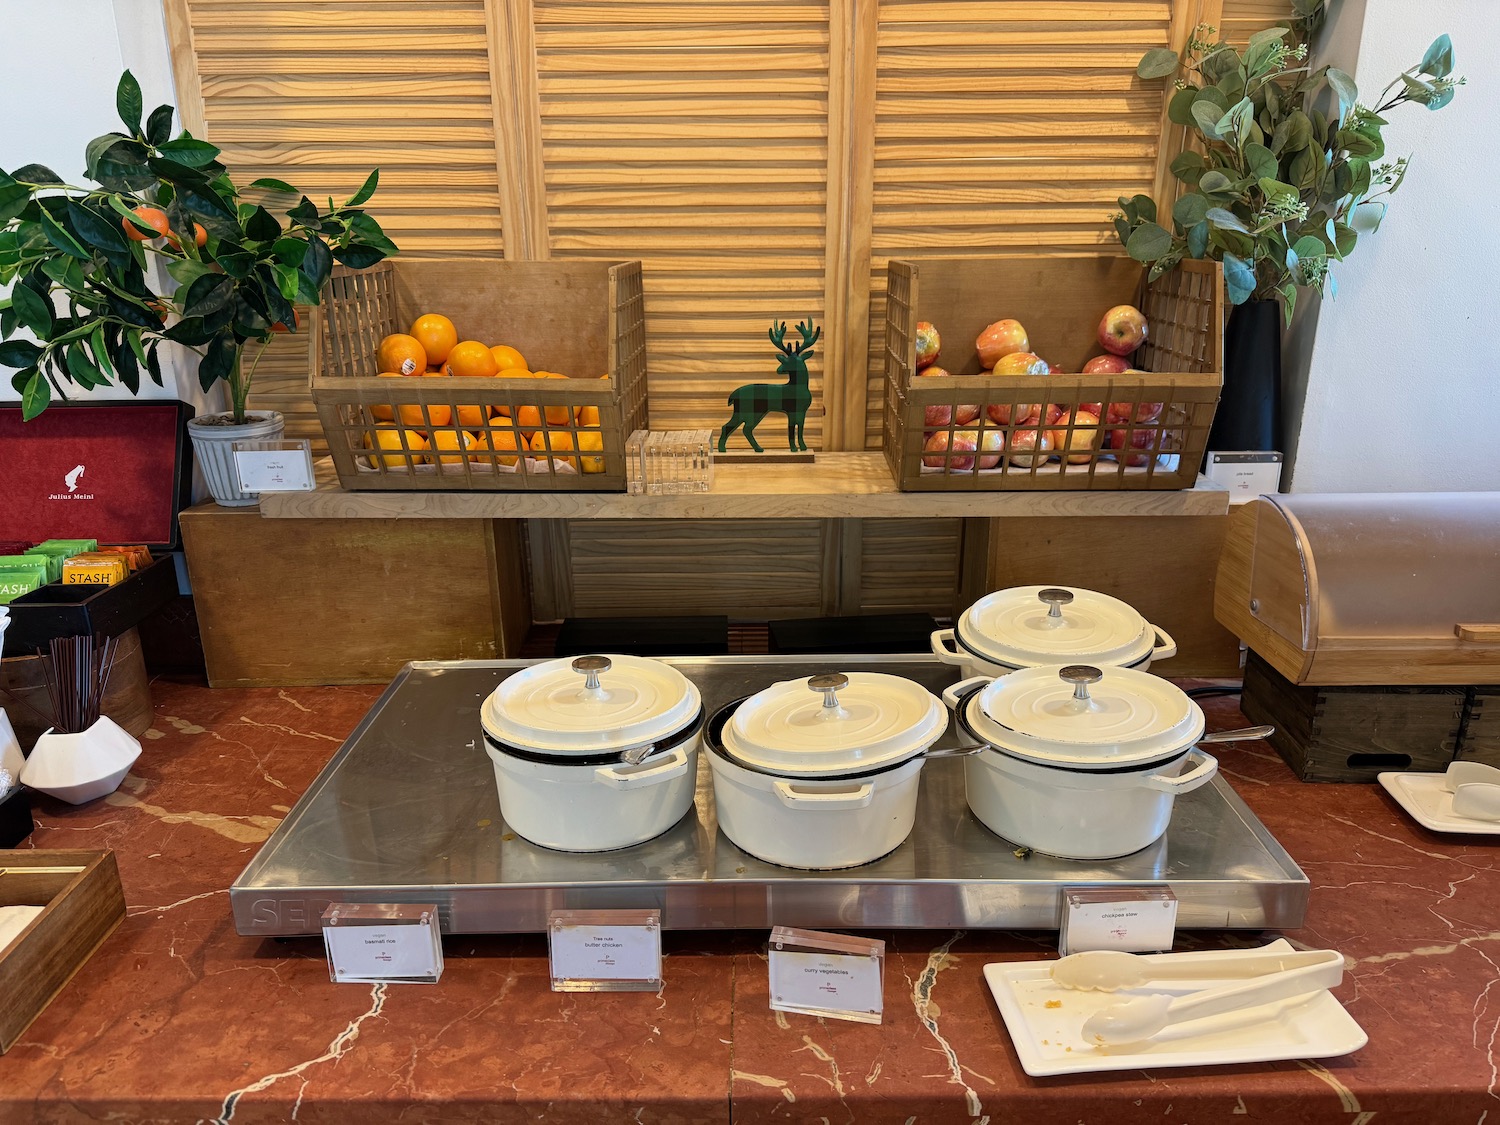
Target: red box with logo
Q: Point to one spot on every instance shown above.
(117, 472)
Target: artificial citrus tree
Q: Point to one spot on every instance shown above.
(236, 262)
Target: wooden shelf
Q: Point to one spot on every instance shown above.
(838, 486)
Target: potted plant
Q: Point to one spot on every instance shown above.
(165, 249)
(1287, 173)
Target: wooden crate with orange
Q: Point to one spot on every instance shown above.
(1048, 425)
(482, 374)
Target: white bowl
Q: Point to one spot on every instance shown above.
(81, 767)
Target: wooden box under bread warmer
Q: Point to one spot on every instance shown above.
(1373, 624)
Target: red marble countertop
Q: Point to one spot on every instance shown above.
(178, 1018)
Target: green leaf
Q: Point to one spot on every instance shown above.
(1143, 206)
(286, 280)
(218, 360)
(1289, 301)
(1293, 133)
(83, 371)
(60, 237)
(1122, 229)
(214, 212)
(1269, 35)
(133, 338)
(208, 294)
(1148, 242)
(35, 396)
(1188, 166)
(1366, 218)
(32, 310)
(290, 251)
(1344, 88)
(1275, 189)
(1215, 183)
(185, 271)
(1438, 61)
(1343, 238)
(1259, 162)
(128, 101)
(14, 198)
(319, 262)
(1234, 126)
(180, 175)
(100, 232)
(189, 151)
(128, 368)
(1258, 57)
(306, 212)
(1221, 219)
(1180, 107)
(100, 348)
(261, 226)
(269, 183)
(1190, 210)
(19, 353)
(1219, 62)
(1310, 246)
(1207, 116)
(1239, 279)
(1197, 240)
(153, 363)
(373, 179)
(159, 124)
(363, 257)
(1155, 63)
(38, 174)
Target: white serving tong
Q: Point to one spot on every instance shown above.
(1475, 788)
(1260, 976)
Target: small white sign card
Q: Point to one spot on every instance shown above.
(1134, 919)
(369, 942)
(822, 974)
(605, 950)
(274, 465)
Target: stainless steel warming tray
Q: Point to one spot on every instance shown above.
(406, 811)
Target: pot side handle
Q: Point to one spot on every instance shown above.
(945, 647)
(1165, 647)
(1204, 768)
(952, 695)
(793, 798)
(675, 765)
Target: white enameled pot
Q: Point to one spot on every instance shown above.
(1082, 762)
(822, 784)
(1031, 626)
(594, 754)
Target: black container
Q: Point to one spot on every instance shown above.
(1249, 413)
(15, 817)
(55, 610)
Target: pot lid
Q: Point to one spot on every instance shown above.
(835, 723)
(590, 704)
(1085, 717)
(1030, 625)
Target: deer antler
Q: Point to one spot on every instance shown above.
(777, 333)
(809, 335)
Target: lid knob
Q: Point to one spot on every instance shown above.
(591, 666)
(1080, 676)
(829, 684)
(1055, 600)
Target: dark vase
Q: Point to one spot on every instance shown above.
(1249, 413)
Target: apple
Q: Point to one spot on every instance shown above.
(1001, 413)
(1029, 447)
(938, 416)
(929, 344)
(1106, 365)
(1122, 330)
(1000, 339)
(1142, 412)
(1020, 363)
(934, 369)
(1121, 440)
(1077, 447)
(940, 451)
(991, 445)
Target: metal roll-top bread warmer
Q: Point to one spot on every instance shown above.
(1373, 628)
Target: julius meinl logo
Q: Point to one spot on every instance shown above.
(71, 479)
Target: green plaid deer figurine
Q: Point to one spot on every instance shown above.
(754, 401)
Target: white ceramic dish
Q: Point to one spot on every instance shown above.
(1049, 1040)
(78, 768)
(1426, 797)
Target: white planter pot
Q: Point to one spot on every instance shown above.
(1079, 814)
(213, 446)
(81, 767)
(576, 807)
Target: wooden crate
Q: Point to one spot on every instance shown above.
(582, 318)
(1355, 733)
(1060, 301)
(82, 901)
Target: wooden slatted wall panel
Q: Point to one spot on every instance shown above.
(908, 565)
(319, 93)
(692, 134)
(1007, 126)
(1241, 19)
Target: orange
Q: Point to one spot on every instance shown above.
(508, 357)
(450, 441)
(437, 413)
(403, 354)
(385, 413)
(500, 410)
(516, 373)
(443, 370)
(471, 359)
(556, 415)
(588, 415)
(153, 217)
(555, 442)
(591, 440)
(494, 441)
(471, 417)
(391, 438)
(529, 419)
(435, 333)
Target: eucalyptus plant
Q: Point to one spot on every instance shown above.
(1289, 169)
(236, 262)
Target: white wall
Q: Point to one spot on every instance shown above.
(1401, 387)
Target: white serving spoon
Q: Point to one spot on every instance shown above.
(1109, 970)
(1477, 801)
(1469, 773)
(1141, 1017)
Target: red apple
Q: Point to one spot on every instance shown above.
(1120, 440)
(1122, 330)
(1029, 447)
(1143, 412)
(929, 344)
(1106, 365)
(1001, 413)
(938, 448)
(991, 445)
(1077, 446)
(937, 417)
(1000, 339)
(934, 369)
(1020, 363)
